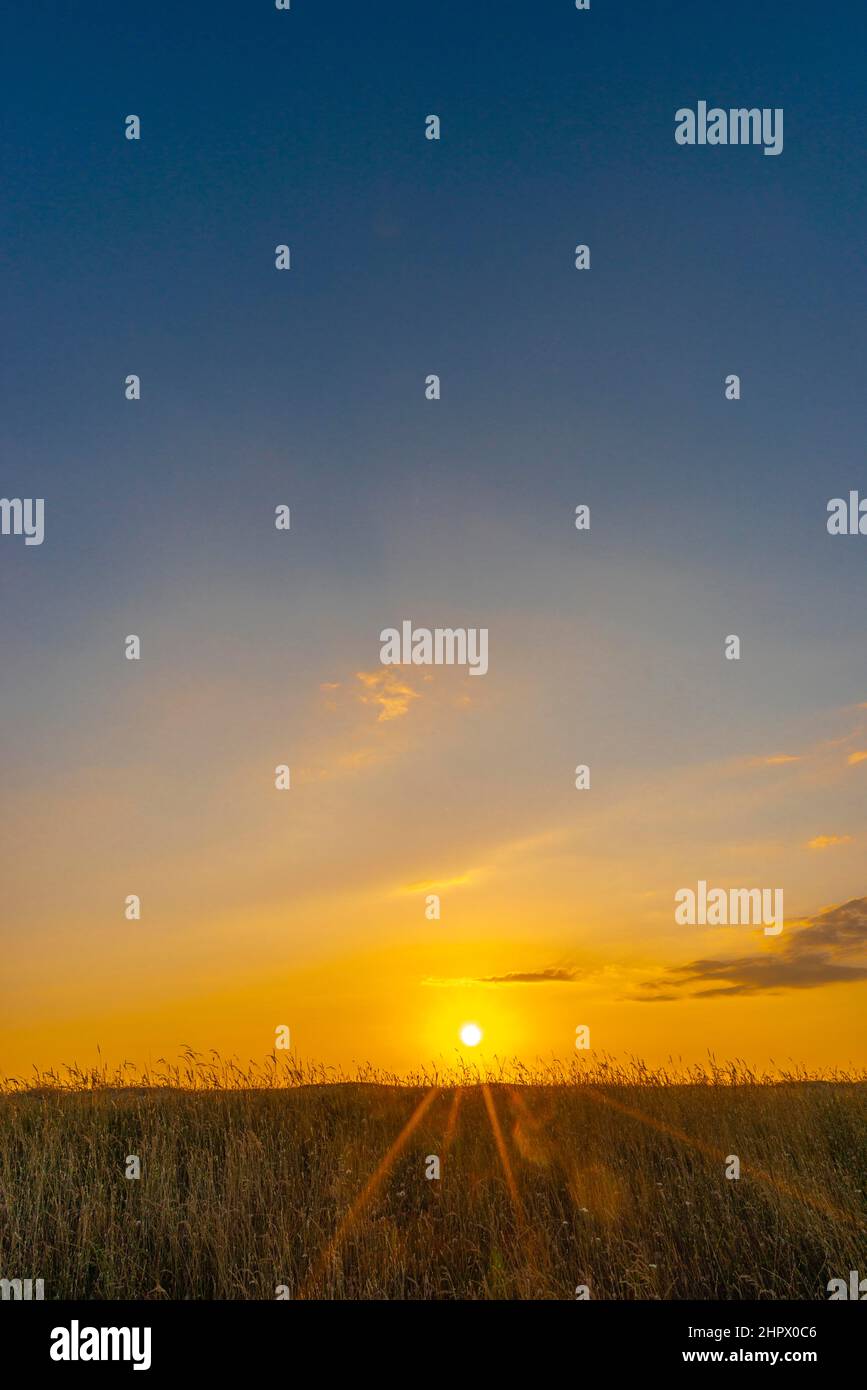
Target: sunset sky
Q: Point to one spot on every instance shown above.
(307, 908)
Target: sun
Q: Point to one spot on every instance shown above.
(471, 1035)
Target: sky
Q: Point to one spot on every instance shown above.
(559, 387)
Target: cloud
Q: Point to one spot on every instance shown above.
(352, 741)
(826, 841)
(822, 758)
(430, 885)
(388, 691)
(515, 977)
(529, 977)
(828, 949)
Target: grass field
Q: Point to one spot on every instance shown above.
(607, 1177)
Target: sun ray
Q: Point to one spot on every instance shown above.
(672, 1132)
(452, 1123)
(503, 1153)
(363, 1199)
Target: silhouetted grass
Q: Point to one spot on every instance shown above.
(607, 1175)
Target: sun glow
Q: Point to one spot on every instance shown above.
(471, 1035)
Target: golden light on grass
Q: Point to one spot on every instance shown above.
(624, 1161)
(471, 1035)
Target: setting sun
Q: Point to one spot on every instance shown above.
(471, 1035)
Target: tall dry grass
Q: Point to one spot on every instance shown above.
(606, 1175)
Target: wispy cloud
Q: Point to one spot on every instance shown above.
(530, 977)
(826, 841)
(433, 884)
(386, 690)
(553, 975)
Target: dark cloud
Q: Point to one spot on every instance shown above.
(829, 949)
(530, 977)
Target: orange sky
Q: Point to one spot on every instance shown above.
(307, 907)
